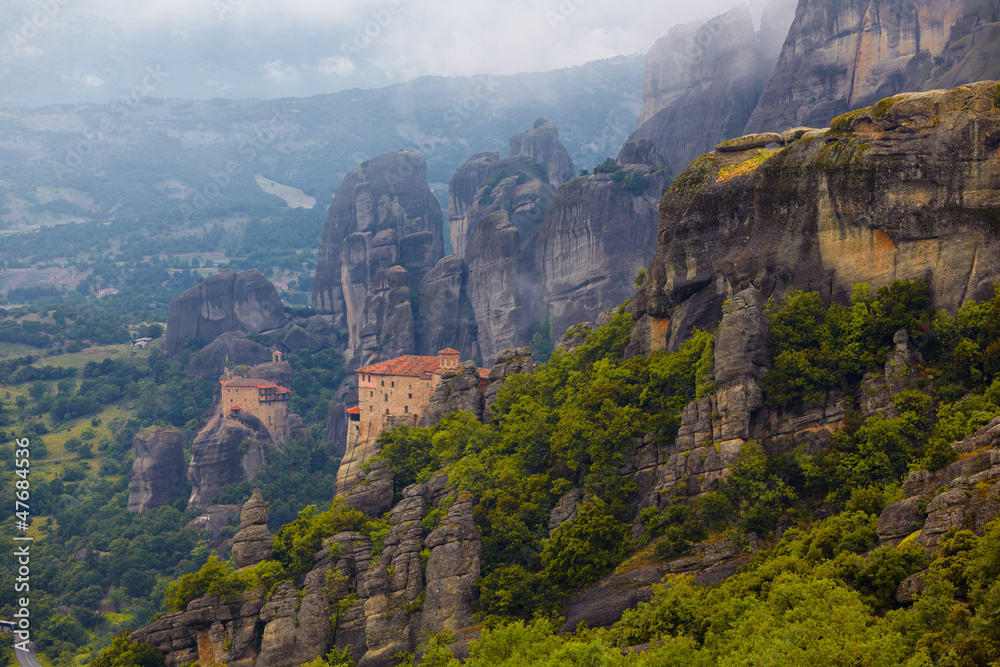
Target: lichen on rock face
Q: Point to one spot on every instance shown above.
(865, 201)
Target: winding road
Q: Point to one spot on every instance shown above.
(27, 658)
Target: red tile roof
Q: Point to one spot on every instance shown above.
(448, 351)
(411, 365)
(356, 410)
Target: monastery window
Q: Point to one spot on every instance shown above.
(406, 409)
(387, 411)
(393, 383)
(383, 383)
(387, 398)
(411, 395)
(372, 392)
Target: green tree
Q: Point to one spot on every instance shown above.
(124, 652)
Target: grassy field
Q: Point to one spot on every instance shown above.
(95, 426)
(98, 353)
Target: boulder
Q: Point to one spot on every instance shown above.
(299, 340)
(226, 301)
(749, 142)
(232, 346)
(459, 390)
(252, 544)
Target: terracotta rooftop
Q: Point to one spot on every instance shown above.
(448, 350)
(356, 410)
(411, 365)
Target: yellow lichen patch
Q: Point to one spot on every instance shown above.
(909, 540)
(744, 168)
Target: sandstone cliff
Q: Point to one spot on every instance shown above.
(224, 302)
(378, 604)
(599, 233)
(905, 189)
(157, 473)
(486, 184)
(702, 83)
(521, 184)
(496, 284)
(541, 144)
(383, 218)
(846, 55)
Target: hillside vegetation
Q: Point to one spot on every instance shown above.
(819, 588)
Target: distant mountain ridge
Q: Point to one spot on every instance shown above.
(154, 155)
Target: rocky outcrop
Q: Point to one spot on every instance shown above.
(496, 284)
(207, 631)
(223, 454)
(459, 390)
(565, 509)
(715, 427)
(374, 495)
(252, 544)
(506, 363)
(299, 340)
(702, 83)
(383, 218)
(447, 319)
(486, 184)
(843, 56)
(452, 569)
(599, 233)
(296, 626)
(964, 495)
(900, 373)
(905, 189)
(462, 195)
(157, 473)
(233, 346)
(214, 519)
(387, 329)
(224, 302)
(541, 144)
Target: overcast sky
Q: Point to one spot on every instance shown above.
(87, 50)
